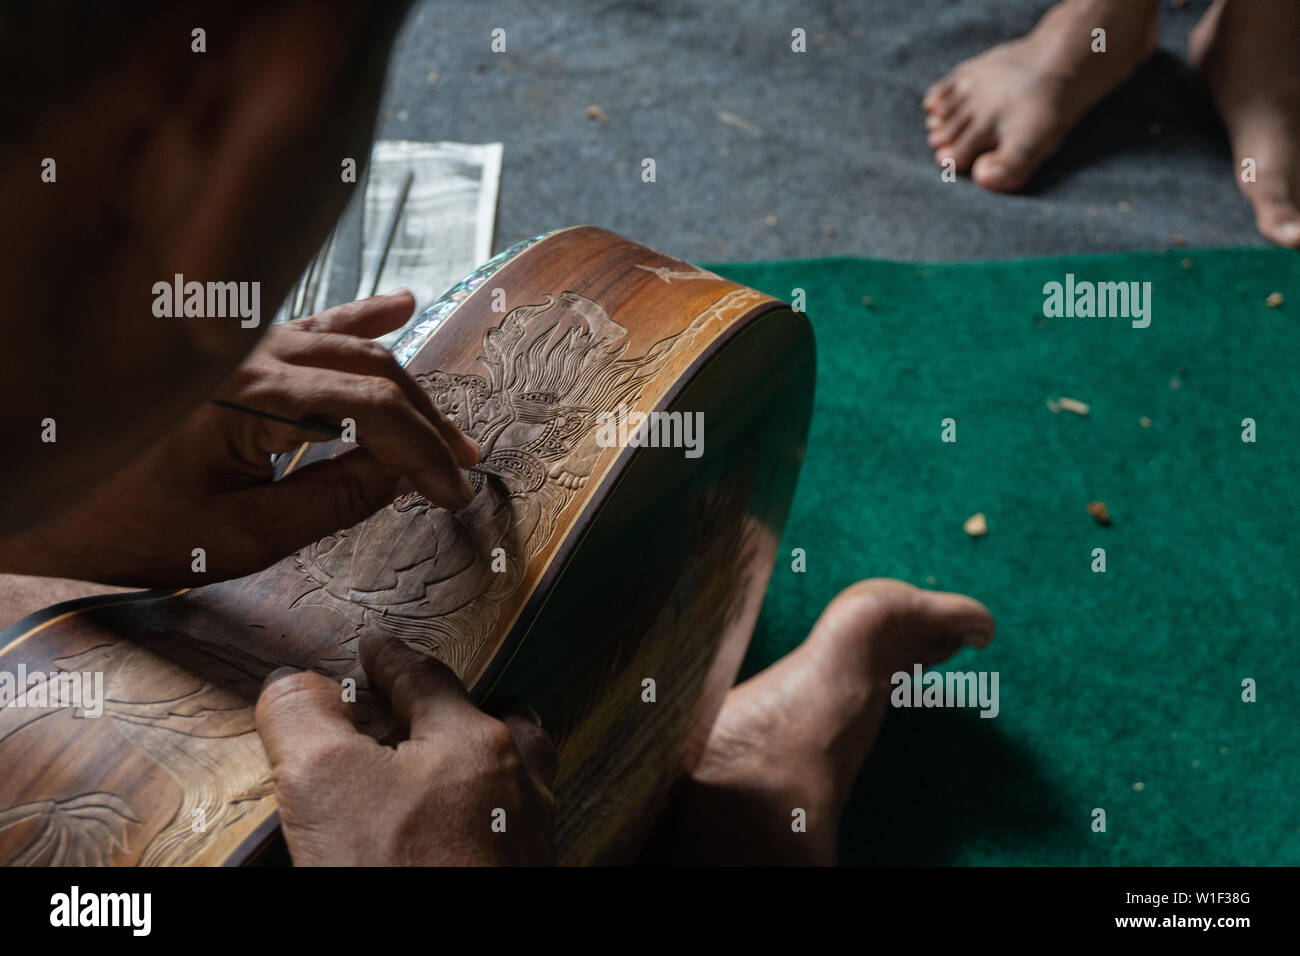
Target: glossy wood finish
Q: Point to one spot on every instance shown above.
(614, 567)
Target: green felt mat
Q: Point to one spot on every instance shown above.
(1107, 680)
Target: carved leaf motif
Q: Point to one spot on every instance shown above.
(84, 830)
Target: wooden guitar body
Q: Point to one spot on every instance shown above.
(614, 587)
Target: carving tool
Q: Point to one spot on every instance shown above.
(330, 430)
(391, 232)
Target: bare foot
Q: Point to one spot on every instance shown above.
(1249, 53)
(1007, 110)
(795, 735)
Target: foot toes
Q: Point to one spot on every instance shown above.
(937, 92)
(1009, 167)
(1278, 220)
(974, 139)
(1287, 234)
(946, 133)
(999, 173)
(943, 110)
(904, 625)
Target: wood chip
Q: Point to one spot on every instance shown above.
(1099, 513)
(1274, 300)
(976, 525)
(1074, 405)
(1144, 422)
(596, 113)
(739, 122)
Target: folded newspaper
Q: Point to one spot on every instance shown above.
(422, 219)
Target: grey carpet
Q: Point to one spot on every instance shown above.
(821, 153)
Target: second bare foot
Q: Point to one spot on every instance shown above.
(1249, 53)
(1002, 113)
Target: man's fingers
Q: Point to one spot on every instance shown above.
(387, 425)
(298, 710)
(365, 317)
(425, 693)
(533, 743)
(364, 357)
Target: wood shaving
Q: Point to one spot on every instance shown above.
(1099, 513)
(1074, 405)
(739, 122)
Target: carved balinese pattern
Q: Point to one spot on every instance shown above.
(79, 831)
(551, 369)
(199, 731)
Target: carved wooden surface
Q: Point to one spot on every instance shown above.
(666, 562)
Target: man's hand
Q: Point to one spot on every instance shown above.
(464, 789)
(208, 483)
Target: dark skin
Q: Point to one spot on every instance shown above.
(458, 767)
(208, 482)
(217, 166)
